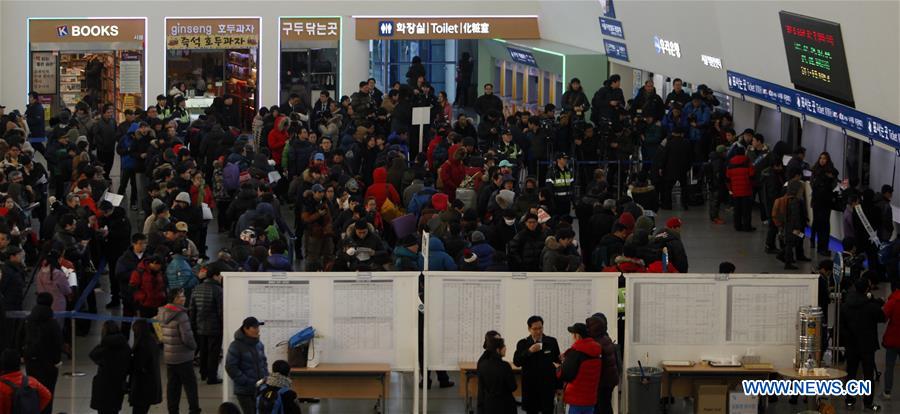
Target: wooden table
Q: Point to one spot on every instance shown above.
(830, 374)
(468, 372)
(345, 381)
(687, 375)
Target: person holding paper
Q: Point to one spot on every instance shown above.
(536, 354)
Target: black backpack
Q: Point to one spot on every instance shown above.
(268, 400)
(25, 399)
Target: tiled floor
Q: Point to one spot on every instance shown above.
(707, 245)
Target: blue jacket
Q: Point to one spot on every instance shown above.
(438, 259)
(485, 254)
(246, 363)
(420, 200)
(701, 112)
(179, 273)
(278, 262)
(670, 123)
(405, 260)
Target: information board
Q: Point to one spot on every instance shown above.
(471, 308)
(43, 72)
(816, 58)
(561, 303)
(758, 314)
(283, 305)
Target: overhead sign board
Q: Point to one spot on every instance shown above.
(212, 33)
(310, 28)
(436, 27)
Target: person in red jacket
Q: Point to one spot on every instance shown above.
(627, 262)
(739, 174)
(149, 284)
(11, 376)
(278, 137)
(452, 172)
(580, 371)
(891, 339)
(382, 190)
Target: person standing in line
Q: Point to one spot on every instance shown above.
(496, 379)
(891, 340)
(580, 371)
(12, 377)
(124, 266)
(146, 384)
(536, 354)
(246, 363)
(860, 315)
(609, 370)
(113, 359)
(178, 352)
(207, 316)
(43, 344)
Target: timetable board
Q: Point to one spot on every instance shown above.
(460, 307)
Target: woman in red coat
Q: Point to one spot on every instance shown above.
(149, 285)
(453, 171)
(381, 190)
(891, 339)
(278, 137)
(200, 192)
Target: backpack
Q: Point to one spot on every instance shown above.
(269, 400)
(779, 211)
(231, 175)
(25, 399)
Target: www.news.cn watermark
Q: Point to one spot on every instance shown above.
(807, 388)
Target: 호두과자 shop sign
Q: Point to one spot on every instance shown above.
(225, 33)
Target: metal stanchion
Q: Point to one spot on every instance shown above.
(72, 372)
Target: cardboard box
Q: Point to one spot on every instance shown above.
(739, 403)
(711, 399)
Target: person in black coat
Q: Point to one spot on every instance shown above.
(113, 359)
(42, 344)
(114, 222)
(536, 354)
(495, 380)
(675, 162)
(146, 384)
(609, 372)
(526, 247)
(607, 101)
(416, 70)
(12, 294)
(860, 316)
(488, 102)
(34, 116)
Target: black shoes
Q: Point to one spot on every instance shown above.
(447, 384)
(790, 267)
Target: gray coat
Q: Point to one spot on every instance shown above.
(178, 339)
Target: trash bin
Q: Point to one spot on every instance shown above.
(643, 390)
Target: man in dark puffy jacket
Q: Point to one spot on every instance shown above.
(670, 238)
(860, 316)
(609, 373)
(607, 101)
(581, 369)
(42, 344)
(526, 247)
(116, 231)
(246, 363)
(739, 175)
(103, 137)
(207, 318)
(675, 161)
(178, 352)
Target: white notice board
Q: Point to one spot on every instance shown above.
(462, 306)
(368, 319)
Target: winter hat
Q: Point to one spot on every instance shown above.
(673, 223)
(477, 236)
(505, 198)
(440, 201)
(409, 240)
(158, 206)
(183, 197)
(45, 299)
(72, 135)
(469, 256)
(628, 220)
(644, 223)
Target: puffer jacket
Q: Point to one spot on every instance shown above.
(581, 370)
(420, 200)
(149, 286)
(485, 254)
(178, 339)
(277, 138)
(438, 259)
(626, 265)
(278, 262)
(597, 329)
(891, 311)
(452, 173)
(207, 312)
(381, 189)
(179, 274)
(525, 250)
(405, 260)
(246, 363)
(671, 239)
(739, 175)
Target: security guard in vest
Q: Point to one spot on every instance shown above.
(561, 180)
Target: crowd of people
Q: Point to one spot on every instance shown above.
(344, 185)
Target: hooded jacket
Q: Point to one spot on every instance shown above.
(860, 317)
(381, 189)
(438, 259)
(43, 339)
(452, 172)
(581, 370)
(739, 174)
(177, 338)
(555, 259)
(597, 329)
(485, 254)
(149, 286)
(420, 200)
(246, 363)
(405, 260)
(278, 137)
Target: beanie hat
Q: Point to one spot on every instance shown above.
(469, 256)
(183, 197)
(158, 206)
(627, 219)
(440, 201)
(673, 223)
(477, 236)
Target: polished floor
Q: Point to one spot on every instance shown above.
(707, 245)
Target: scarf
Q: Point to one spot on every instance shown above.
(277, 380)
